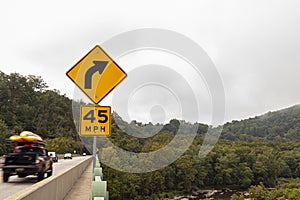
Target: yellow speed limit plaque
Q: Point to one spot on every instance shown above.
(95, 121)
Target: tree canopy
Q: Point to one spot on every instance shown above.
(27, 104)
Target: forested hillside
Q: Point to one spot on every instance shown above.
(27, 104)
(282, 125)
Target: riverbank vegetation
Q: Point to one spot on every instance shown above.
(233, 165)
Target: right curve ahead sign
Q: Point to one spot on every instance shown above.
(96, 74)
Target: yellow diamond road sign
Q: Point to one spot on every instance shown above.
(96, 74)
(95, 121)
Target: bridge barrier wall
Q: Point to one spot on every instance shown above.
(55, 187)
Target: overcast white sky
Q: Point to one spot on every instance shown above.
(254, 45)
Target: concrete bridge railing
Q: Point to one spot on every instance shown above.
(99, 187)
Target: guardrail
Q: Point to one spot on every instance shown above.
(55, 187)
(99, 187)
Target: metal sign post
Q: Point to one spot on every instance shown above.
(94, 151)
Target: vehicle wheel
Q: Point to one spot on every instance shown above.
(5, 177)
(49, 173)
(41, 175)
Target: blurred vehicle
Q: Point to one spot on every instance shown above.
(29, 159)
(53, 156)
(68, 156)
(84, 154)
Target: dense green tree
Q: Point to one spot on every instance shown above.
(63, 145)
(4, 134)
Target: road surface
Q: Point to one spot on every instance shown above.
(16, 184)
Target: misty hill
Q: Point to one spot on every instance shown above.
(282, 125)
(142, 130)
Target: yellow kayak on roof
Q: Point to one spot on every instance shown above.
(26, 136)
(16, 138)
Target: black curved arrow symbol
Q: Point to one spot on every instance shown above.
(98, 67)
